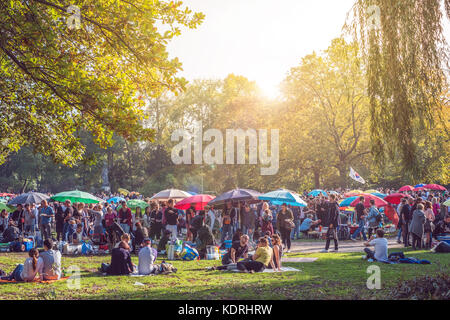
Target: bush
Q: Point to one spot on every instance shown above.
(427, 287)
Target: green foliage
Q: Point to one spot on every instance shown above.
(405, 57)
(56, 81)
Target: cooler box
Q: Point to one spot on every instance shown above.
(189, 254)
(28, 245)
(444, 239)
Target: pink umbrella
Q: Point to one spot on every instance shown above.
(396, 198)
(419, 189)
(199, 201)
(435, 187)
(367, 197)
(406, 188)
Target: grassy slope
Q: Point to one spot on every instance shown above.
(332, 276)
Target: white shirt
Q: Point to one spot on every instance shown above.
(212, 216)
(381, 248)
(146, 260)
(28, 274)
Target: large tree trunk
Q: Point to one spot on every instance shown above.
(316, 178)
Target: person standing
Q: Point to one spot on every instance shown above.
(406, 221)
(248, 220)
(429, 224)
(46, 214)
(332, 221)
(171, 215)
(18, 217)
(227, 221)
(155, 221)
(361, 219)
(374, 218)
(125, 217)
(285, 223)
(29, 219)
(417, 226)
(190, 214)
(295, 233)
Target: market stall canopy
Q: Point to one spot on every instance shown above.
(171, 194)
(29, 197)
(76, 196)
(199, 201)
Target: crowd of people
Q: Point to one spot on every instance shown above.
(263, 227)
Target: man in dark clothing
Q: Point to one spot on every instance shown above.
(238, 250)
(360, 218)
(406, 217)
(68, 215)
(18, 216)
(322, 209)
(171, 215)
(196, 224)
(332, 221)
(125, 217)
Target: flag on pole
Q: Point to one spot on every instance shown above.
(355, 176)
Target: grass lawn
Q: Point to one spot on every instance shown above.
(332, 276)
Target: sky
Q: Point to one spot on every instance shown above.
(258, 39)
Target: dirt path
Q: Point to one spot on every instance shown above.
(344, 246)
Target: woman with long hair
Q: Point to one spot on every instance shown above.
(27, 271)
(266, 224)
(277, 252)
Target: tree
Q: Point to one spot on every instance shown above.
(326, 112)
(57, 79)
(405, 54)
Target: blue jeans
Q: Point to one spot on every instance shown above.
(226, 230)
(16, 274)
(296, 230)
(399, 235)
(360, 230)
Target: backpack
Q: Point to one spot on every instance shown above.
(165, 268)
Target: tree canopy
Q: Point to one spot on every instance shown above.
(58, 76)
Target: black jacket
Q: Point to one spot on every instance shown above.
(332, 216)
(120, 262)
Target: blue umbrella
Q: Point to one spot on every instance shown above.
(378, 194)
(419, 185)
(281, 196)
(115, 199)
(316, 192)
(235, 195)
(347, 201)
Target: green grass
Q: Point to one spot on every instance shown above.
(332, 276)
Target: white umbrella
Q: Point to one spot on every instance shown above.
(171, 194)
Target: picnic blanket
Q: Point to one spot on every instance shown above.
(298, 259)
(283, 269)
(35, 281)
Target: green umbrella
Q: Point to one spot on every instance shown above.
(447, 203)
(76, 196)
(133, 204)
(4, 206)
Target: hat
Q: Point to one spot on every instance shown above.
(147, 240)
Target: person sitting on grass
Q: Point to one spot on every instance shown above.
(277, 252)
(260, 260)
(147, 256)
(120, 261)
(238, 250)
(308, 224)
(27, 271)
(50, 269)
(139, 235)
(77, 236)
(381, 247)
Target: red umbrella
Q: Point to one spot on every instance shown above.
(396, 198)
(434, 187)
(199, 201)
(406, 188)
(6, 194)
(392, 215)
(367, 197)
(419, 189)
